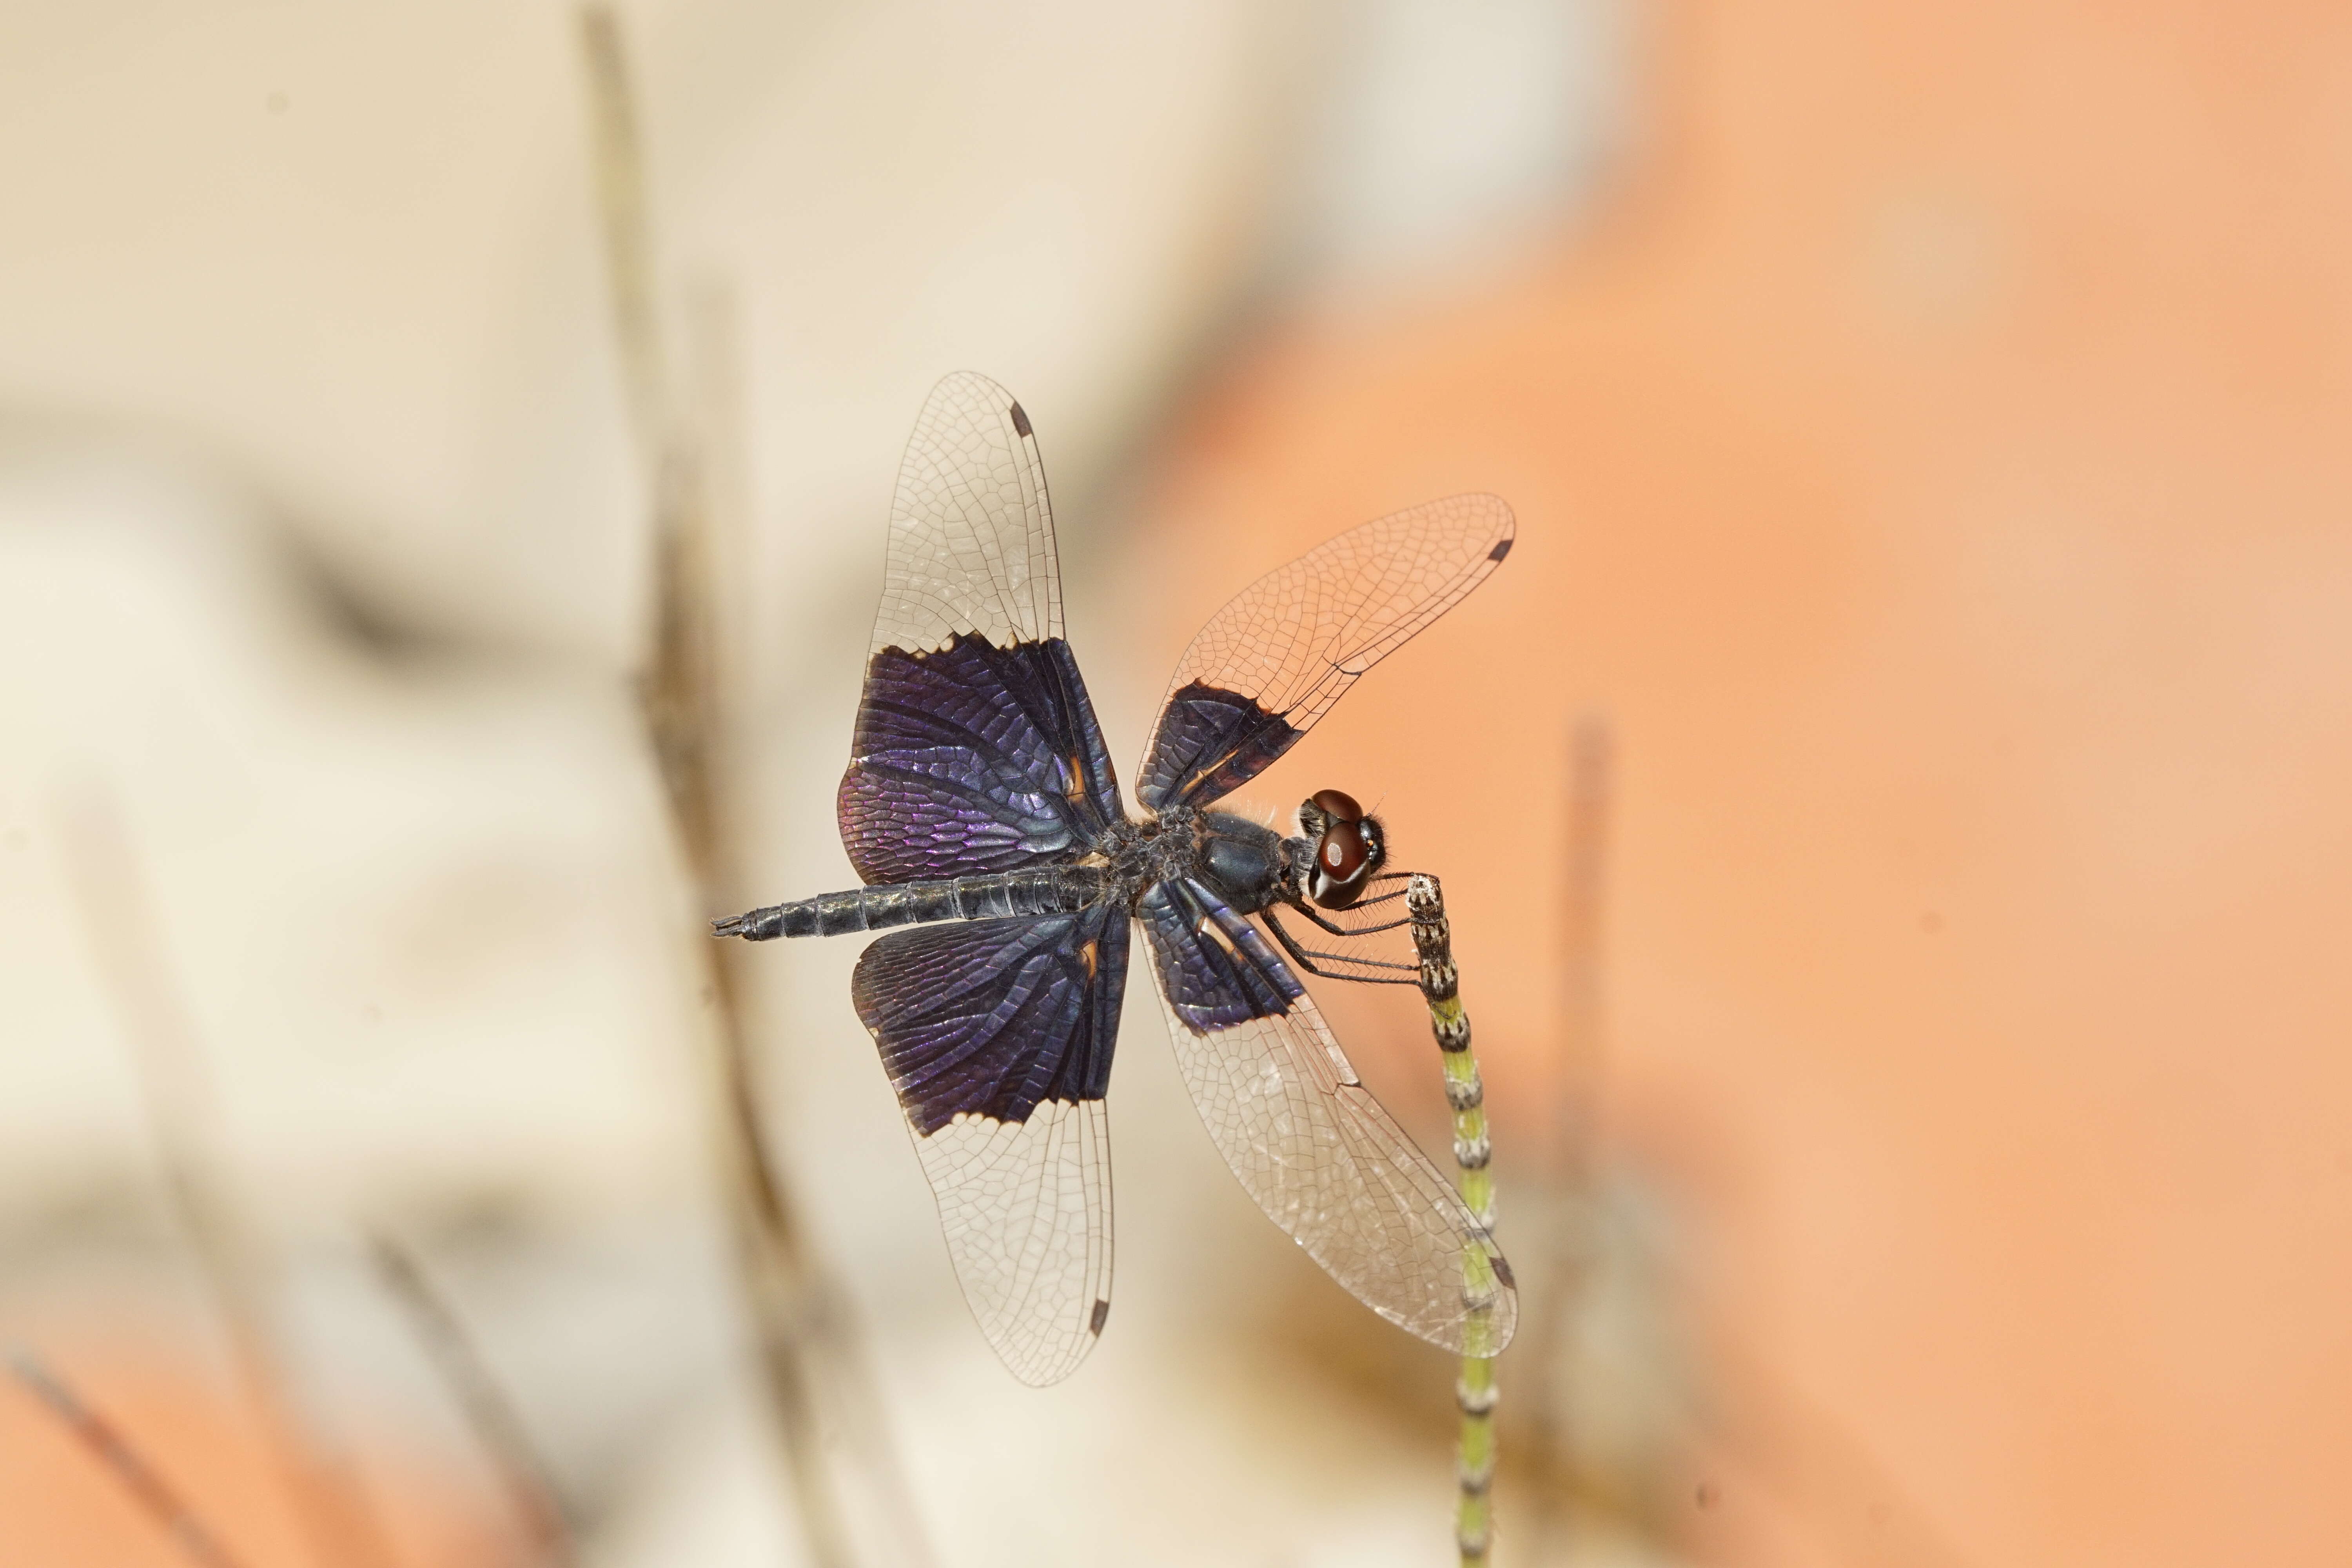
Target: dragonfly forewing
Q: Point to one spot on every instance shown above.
(972, 528)
(1287, 647)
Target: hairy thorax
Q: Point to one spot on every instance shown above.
(1246, 865)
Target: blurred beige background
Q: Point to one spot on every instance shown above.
(1926, 432)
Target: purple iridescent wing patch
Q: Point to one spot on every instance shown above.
(972, 759)
(1214, 967)
(992, 1017)
(998, 1037)
(1275, 659)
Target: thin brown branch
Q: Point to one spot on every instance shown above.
(337, 1525)
(1577, 1066)
(814, 1370)
(495, 1424)
(615, 147)
(1592, 764)
(807, 1301)
(111, 1448)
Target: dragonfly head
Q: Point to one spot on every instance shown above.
(1350, 848)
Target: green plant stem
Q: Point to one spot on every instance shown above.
(1475, 1392)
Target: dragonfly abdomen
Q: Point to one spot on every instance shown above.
(1046, 891)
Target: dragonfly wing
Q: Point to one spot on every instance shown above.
(976, 748)
(970, 759)
(998, 1037)
(972, 531)
(1275, 659)
(1309, 1142)
(1215, 970)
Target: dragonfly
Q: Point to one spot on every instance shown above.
(980, 808)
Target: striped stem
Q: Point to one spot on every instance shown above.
(1475, 1392)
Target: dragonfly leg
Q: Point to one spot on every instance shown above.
(1306, 958)
(1337, 930)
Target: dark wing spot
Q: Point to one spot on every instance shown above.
(1019, 420)
(1503, 1271)
(1102, 1316)
(1494, 554)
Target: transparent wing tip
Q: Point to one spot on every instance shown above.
(1483, 1326)
(1035, 1373)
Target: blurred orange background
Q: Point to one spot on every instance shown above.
(1927, 428)
(1934, 464)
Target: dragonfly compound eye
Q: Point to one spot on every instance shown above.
(1339, 806)
(1342, 852)
(1347, 855)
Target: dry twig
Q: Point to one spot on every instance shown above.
(124, 1462)
(337, 1525)
(813, 1365)
(491, 1415)
(1552, 1341)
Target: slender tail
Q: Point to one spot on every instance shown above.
(753, 925)
(1046, 891)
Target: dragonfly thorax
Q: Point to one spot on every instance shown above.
(1246, 865)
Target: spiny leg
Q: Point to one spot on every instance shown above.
(1337, 930)
(1306, 960)
(1303, 908)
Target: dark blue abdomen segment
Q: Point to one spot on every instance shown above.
(1215, 967)
(974, 759)
(996, 1017)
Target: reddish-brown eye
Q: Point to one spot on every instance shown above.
(1342, 807)
(1347, 851)
(1342, 852)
